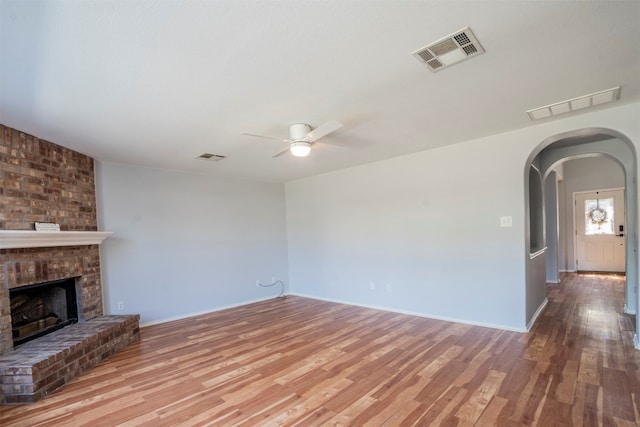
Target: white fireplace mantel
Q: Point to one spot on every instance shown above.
(12, 239)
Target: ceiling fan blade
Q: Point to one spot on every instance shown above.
(323, 130)
(266, 137)
(280, 153)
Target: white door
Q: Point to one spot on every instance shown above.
(600, 231)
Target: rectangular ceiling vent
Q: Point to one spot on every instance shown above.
(575, 104)
(449, 50)
(211, 157)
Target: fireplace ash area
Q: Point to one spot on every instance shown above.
(40, 309)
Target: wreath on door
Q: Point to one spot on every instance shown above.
(597, 215)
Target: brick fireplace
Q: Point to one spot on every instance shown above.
(44, 182)
(29, 266)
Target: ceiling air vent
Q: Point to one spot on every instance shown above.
(449, 50)
(211, 157)
(575, 104)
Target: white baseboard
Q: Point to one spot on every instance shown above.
(567, 271)
(636, 340)
(200, 313)
(537, 313)
(413, 313)
(627, 311)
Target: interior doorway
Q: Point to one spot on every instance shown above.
(600, 231)
(548, 155)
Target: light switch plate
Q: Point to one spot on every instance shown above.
(506, 221)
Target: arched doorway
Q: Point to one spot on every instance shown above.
(547, 155)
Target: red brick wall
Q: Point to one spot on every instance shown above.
(44, 182)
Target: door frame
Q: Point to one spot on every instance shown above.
(575, 225)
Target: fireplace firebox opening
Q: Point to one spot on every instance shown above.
(37, 310)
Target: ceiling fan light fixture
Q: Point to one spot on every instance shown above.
(300, 148)
(302, 136)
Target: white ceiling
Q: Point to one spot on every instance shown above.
(157, 83)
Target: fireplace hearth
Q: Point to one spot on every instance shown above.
(40, 309)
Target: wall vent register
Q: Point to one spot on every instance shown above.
(211, 157)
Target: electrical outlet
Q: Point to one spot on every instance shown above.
(372, 286)
(120, 305)
(388, 287)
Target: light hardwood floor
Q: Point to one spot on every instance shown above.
(305, 362)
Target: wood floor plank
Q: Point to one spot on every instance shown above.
(491, 415)
(618, 401)
(565, 392)
(306, 362)
(554, 413)
(443, 410)
(475, 404)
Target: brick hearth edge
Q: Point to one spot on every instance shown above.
(37, 368)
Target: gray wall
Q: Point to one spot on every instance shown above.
(424, 228)
(426, 224)
(186, 243)
(551, 227)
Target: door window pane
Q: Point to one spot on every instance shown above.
(598, 217)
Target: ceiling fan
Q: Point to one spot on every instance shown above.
(301, 136)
